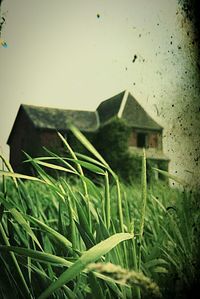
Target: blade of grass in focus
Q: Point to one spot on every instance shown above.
(89, 256)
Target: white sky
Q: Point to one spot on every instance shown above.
(60, 54)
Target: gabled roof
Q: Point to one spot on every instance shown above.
(125, 106)
(109, 108)
(122, 105)
(58, 119)
(136, 116)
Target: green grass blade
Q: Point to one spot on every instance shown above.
(15, 262)
(155, 263)
(97, 291)
(37, 255)
(45, 177)
(84, 224)
(89, 166)
(144, 199)
(57, 236)
(171, 176)
(107, 200)
(9, 167)
(159, 203)
(54, 166)
(87, 144)
(92, 189)
(73, 155)
(72, 226)
(55, 157)
(15, 175)
(89, 256)
(86, 164)
(80, 170)
(91, 160)
(46, 258)
(119, 202)
(20, 219)
(144, 194)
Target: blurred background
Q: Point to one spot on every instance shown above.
(74, 54)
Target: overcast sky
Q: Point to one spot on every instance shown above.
(73, 54)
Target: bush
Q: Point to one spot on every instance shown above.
(112, 143)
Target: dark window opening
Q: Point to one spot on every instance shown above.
(142, 140)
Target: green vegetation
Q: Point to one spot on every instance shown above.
(69, 238)
(114, 136)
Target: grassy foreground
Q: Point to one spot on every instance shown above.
(63, 239)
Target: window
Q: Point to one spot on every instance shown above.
(142, 140)
(133, 139)
(153, 140)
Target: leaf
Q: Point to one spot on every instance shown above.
(144, 202)
(84, 235)
(15, 262)
(84, 227)
(88, 166)
(54, 166)
(87, 144)
(97, 290)
(159, 203)
(107, 200)
(93, 190)
(52, 157)
(45, 177)
(9, 167)
(160, 270)
(20, 219)
(89, 159)
(38, 255)
(46, 258)
(20, 176)
(52, 232)
(171, 176)
(89, 256)
(155, 262)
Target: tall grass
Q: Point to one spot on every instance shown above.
(52, 232)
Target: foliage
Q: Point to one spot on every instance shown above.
(52, 232)
(130, 168)
(112, 143)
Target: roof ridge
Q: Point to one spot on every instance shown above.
(123, 103)
(53, 108)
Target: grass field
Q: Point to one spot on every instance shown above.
(74, 238)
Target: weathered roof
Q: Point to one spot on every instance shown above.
(58, 119)
(110, 107)
(125, 106)
(122, 105)
(136, 116)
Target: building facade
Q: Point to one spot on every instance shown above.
(37, 127)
